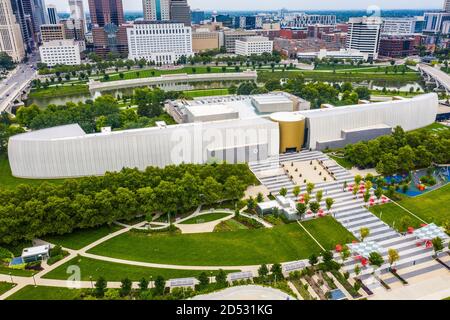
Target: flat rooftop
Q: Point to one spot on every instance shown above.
(271, 98)
(210, 109)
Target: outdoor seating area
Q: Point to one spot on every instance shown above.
(303, 172)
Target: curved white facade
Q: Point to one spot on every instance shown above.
(67, 151)
(329, 124)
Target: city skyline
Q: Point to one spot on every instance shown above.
(234, 5)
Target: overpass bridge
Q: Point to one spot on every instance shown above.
(436, 76)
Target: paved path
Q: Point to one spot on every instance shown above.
(251, 292)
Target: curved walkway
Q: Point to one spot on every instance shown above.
(250, 292)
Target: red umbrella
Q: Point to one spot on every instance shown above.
(338, 248)
(428, 244)
(423, 224)
(410, 230)
(364, 262)
(354, 241)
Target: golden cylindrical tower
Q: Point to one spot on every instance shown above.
(292, 130)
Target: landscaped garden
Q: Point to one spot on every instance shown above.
(116, 271)
(245, 247)
(5, 286)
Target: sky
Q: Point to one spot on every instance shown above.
(136, 5)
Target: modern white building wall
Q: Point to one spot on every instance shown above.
(398, 26)
(61, 52)
(327, 125)
(156, 10)
(253, 45)
(364, 35)
(67, 151)
(343, 54)
(11, 40)
(161, 42)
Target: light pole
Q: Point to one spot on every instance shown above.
(34, 280)
(151, 282)
(92, 285)
(10, 275)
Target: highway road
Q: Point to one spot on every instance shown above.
(16, 81)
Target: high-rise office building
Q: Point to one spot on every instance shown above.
(447, 6)
(156, 10)
(180, 12)
(74, 29)
(25, 27)
(77, 12)
(50, 32)
(11, 40)
(364, 35)
(52, 14)
(108, 29)
(160, 42)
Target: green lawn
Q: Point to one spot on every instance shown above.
(5, 286)
(432, 128)
(244, 247)
(393, 214)
(8, 181)
(117, 271)
(16, 272)
(206, 218)
(230, 225)
(81, 238)
(328, 232)
(45, 293)
(147, 73)
(431, 207)
(59, 91)
(342, 162)
(206, 93)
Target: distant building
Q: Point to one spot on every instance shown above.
(108, 27)
(230, 38)
(397, 46)
(156, 10)
(11, 40)
(60, 52)
(447, 6)
(253, 46)
(50, 32)
(197, 16)
(342, 54)
(364, 35)
(160, 42)
(294, 33)
(249, 22)
(74, 29)
(226, 20)
(77, 12)
(52, 14)
(24, 20)
(304, 20)
(180, 12)
(434, 21)
(398, 26)
(203, 39)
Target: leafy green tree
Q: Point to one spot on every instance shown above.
(283, 192)
(313, 259)
(160, 286)
(143, 284)
(301, 209)
(221, 278)
(364, 233)
(125, 287)
(376, 259)
(393, 256)
(329, 203)
(314, 206)
(277, 271)
(319, 195)
(263, 271)
(203, 280)
(100, 287)
(438, 244)
(296, 191)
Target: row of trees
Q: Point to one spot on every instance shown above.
(400, 152)
(27, 212)
(103, 111)
(8, 128)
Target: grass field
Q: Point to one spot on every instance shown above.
(392, 215)
(206, 218)
(342, 162)
(60, 91)
(8, 181)
(5, 286)
(230, 225)
(244, 247)
(117, 271)
(45, 293)
(328, 232)
(16, 272)
(81, 238)
(431, 207)
(206, 93)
